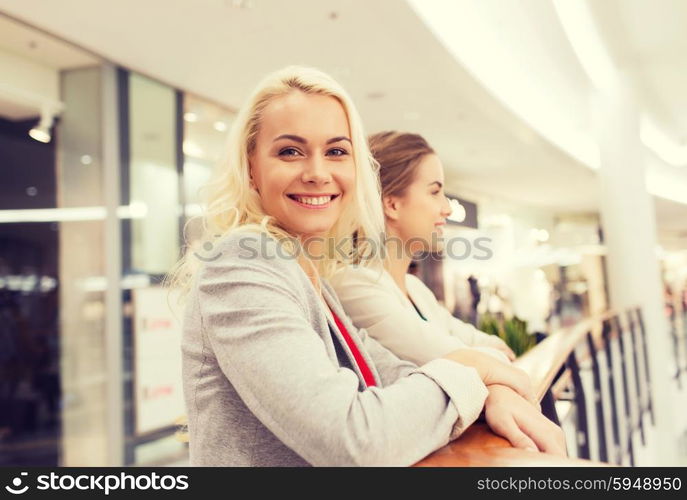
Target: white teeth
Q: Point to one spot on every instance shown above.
(319, 200)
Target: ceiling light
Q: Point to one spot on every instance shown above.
(540, 235)
(41, 132)
(220, 126)
(458, 212)
(192, 149)
(190, 117)
(135, 210)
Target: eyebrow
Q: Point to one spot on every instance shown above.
(297, 138)
(437, 183)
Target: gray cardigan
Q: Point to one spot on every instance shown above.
(270, 381)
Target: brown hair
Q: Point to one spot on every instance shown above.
(398, 155)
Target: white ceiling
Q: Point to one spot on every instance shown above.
(395, 69)
(398, 73)
(41, 48)
(649, 41)
(48, 56)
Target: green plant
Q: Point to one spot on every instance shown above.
(489, 324)
(512, 331)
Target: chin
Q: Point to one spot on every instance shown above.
(313, 231)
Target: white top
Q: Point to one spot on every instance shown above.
(373, 301)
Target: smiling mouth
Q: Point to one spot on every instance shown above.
(313, 202)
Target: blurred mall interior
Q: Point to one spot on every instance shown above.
(562, 126)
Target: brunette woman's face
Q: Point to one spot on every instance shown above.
(420, 214)
(302, 165)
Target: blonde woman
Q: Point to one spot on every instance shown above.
(395, 307)
(275, 374)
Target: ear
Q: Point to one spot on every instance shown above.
(251, 181)
(391, 205)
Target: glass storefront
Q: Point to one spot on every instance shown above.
(153, 177)
(30, 390)
(90, 222)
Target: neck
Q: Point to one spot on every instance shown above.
(312, 250)
(397, 261)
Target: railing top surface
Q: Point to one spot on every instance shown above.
(543, 361)
(480, 447)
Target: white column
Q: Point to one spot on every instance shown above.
(629, 228)
(113, 268)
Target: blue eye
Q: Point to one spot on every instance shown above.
(337, 152)
(289, 152)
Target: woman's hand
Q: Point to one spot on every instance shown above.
(493, 371)
(513, 418)
(496, 343)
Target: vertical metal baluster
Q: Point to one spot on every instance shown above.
(627, 439)
(598, 403)
(638, 380)
(606, 339)
(642, 331)
(582, 437)
(676, 348)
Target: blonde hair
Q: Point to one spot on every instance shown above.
(232, 204)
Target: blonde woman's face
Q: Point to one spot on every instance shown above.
(420, 214)
(302, 165)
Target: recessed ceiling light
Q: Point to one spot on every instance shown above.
(192, 149)
(220, 126)
(190, 116)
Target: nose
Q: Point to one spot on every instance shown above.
(315, 171)
(446, 208)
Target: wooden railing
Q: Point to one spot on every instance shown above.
(554, 366)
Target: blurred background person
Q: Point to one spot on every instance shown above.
(394, 306)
